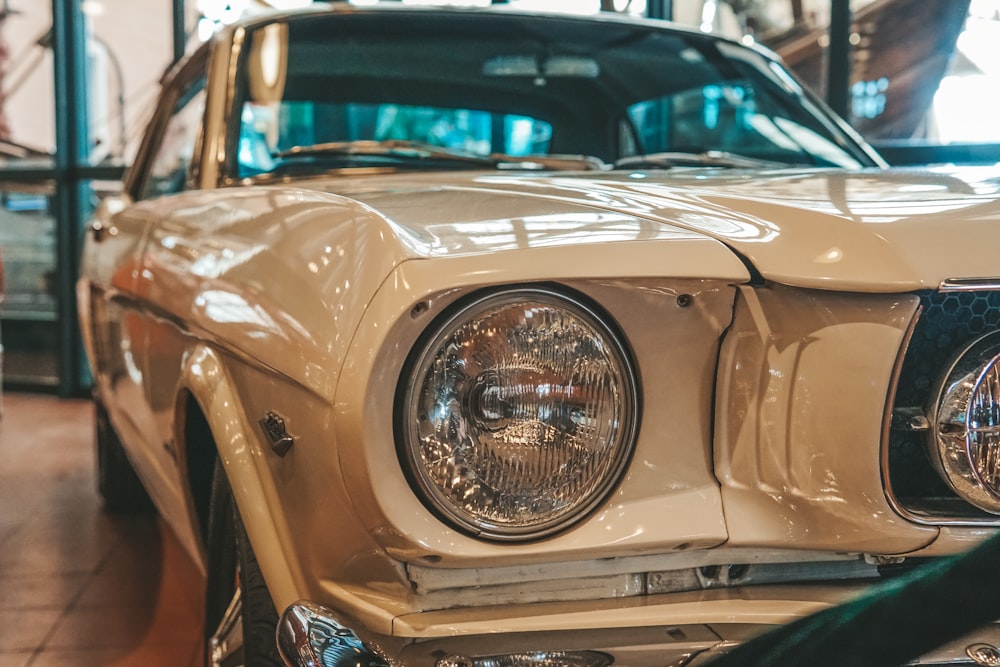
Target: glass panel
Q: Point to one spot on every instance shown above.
(169, 167)
(736, 117)
(556, 86)
(123, 74)
(267, 131)
(28, 308)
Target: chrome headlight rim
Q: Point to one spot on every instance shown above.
(953, 444)
(464, 310)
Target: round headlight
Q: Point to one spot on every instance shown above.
(519, 414)
(966, 445)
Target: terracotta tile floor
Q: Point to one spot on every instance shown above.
(78, 586)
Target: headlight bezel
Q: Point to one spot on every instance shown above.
(465, 310)
(951, 442)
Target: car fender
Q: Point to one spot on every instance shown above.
(205, 377)
(415, 294)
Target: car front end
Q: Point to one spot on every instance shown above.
(758, 419)
(572, 342)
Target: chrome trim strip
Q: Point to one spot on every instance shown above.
(890, 401)
(969, 284)
(928, 519)
(230, 116)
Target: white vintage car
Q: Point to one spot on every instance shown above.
(475, 338)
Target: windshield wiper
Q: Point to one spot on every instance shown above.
(667, 160)
(393, 148)
(415, 150)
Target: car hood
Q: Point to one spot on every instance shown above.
(877, 230)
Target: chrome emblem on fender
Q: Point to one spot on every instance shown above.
(984, 654)
(274, 427)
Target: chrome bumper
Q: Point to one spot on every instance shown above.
(310, 636)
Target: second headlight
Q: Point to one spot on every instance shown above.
(966, 431)
(518, 415)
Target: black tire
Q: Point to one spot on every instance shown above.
(232, 563)
(117, 482)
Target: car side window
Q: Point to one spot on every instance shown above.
(170, 162)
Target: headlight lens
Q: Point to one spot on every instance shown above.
(967, 427)
(519, 414)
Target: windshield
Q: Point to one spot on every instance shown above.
(305, 124)
(483, 84)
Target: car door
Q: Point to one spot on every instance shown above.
(123, 325)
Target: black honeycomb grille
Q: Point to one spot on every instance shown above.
(948, 323)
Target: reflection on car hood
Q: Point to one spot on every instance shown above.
(877, 230)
